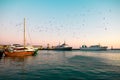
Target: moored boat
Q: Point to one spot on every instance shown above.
(93, 48)
(17, 51)
(63, 46)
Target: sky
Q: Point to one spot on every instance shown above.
(76, 22)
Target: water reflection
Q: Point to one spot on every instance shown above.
(13, 62)
(43, 57)
(50, 57)
(110, 57)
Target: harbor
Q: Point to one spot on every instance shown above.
(62, 47)
(59, 40)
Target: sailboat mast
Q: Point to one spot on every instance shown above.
(24, 34)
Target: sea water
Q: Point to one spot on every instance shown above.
(62, 65)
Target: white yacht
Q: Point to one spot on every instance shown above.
(93, 48)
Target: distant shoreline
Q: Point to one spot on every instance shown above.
(80, 50)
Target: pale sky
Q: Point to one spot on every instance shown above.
(76, 22)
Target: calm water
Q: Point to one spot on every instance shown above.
(62, 65)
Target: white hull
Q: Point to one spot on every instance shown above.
(93, 48)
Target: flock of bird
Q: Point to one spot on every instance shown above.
(54, 25)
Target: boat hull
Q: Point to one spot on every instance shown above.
(94, 49)
(19, 54)
(64, 49)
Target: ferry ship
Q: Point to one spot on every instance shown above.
(93, 48)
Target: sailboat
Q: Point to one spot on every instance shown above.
(15, 51)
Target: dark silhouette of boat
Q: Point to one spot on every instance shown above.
(63, 47)
(1, 52)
